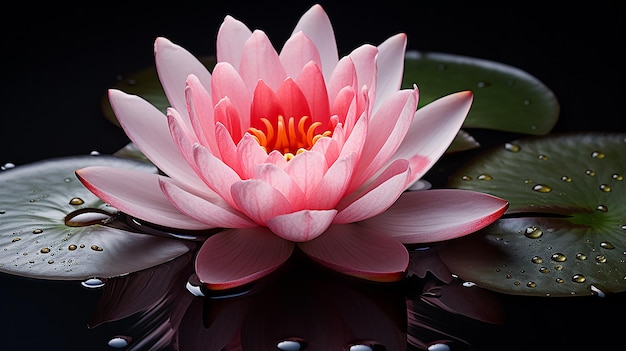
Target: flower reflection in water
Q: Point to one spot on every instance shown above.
(302, 307)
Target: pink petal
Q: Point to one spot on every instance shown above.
(364, 58)
(307, 169)
(231, 37)
(390, 63)
(388, 128)
(215, 173)
(136, 193)
(436, 215)
(344, 75)
(333, 185)
(237, 257)
(434, 128)
(249, 154)
(174, 64)
(281, 181)
(317, 26)
(217, 215)
(260, 61)
(148, 129)
(259, 200)
(297, 52)
(226, 82)
(200, 108)
(377, 196)
(366, 255)
(301, 226)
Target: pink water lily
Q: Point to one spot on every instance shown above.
(292, 149)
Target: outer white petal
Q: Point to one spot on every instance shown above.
(174, 64)
(433, 129)
(316, 25)
(136, 193)
(148, 129)
(231, 36)
(390, 63)
(436, 215)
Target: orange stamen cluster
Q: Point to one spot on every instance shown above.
(286, 138)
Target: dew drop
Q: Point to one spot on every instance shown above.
(543, 157)
(469, 284)
(540, 188)
(536, 259)
(76, 201)
(93, 283)
(483, 84)
(96, 248)
(294, 344)
(607, 245)
(485, 177)
(597, 154)
(86, 217)
(578, 278)
(439, 347)
(361, 347)
(581, 256)
(531, 284)
(67, 180)
(45, 250)
(37, 231)
(512, 147)
(617, 176)
(559, 280)
(590, 173)
(50, 261)
(558, 257)
(600, 258)
(605, 188)
(566, 179)
(602, 208)
(15, 239)
(119, 342)
(597, 291)
(466, 177)
(558, 267)
(7, 165)
(94, 153)
(544, 270)
(528, 181)
(72, 247)
(533, 232)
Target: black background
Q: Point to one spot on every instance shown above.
(59, 60)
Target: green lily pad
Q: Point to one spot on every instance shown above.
(505, 98)
(564, 233)
(52, 227)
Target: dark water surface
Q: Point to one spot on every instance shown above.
(62, 60)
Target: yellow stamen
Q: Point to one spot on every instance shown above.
(288, 137)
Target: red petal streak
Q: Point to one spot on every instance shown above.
(265, 104)
(237, 257)
(292, 101)
(348, 250)
(227, 115)
(301, 226)
(437, 214)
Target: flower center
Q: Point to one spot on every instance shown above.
(287, 137)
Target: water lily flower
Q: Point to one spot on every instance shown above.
(295, 149)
